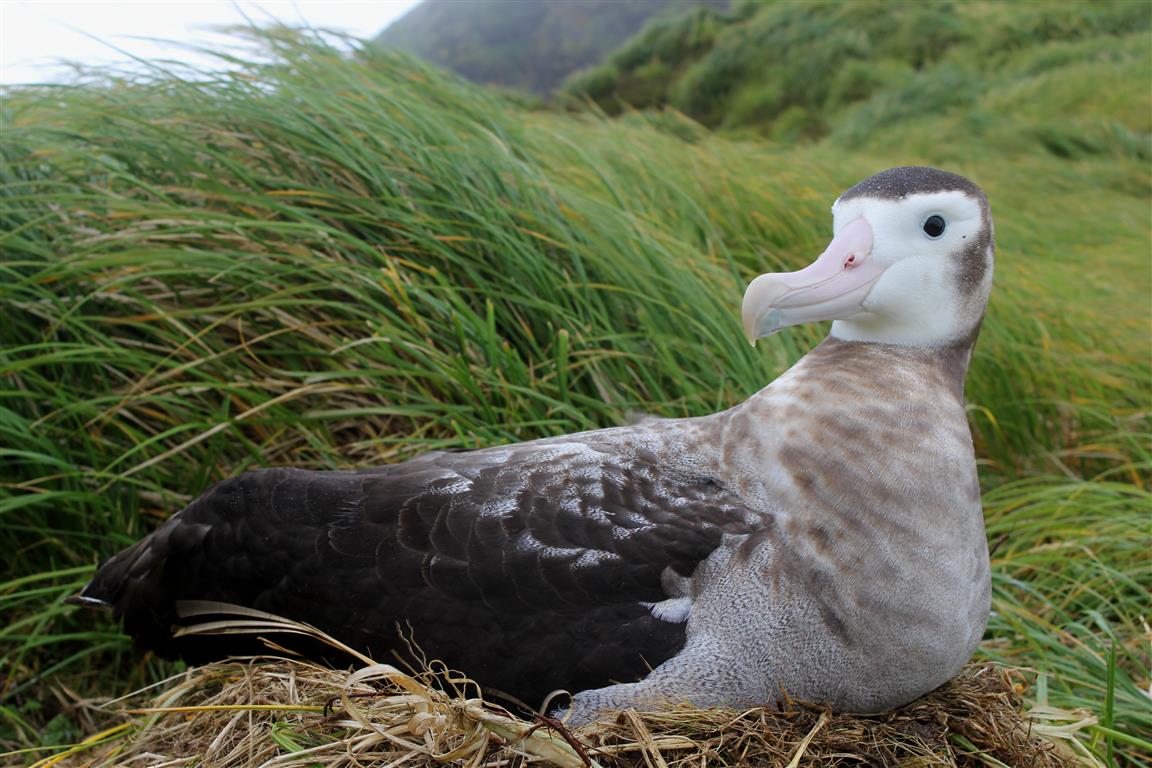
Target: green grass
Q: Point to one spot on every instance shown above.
(806, 70)
(324, 262)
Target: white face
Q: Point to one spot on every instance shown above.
(930, 292)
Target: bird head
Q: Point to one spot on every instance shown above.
(910, 263)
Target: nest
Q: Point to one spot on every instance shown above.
(274, 711)
(286, 712)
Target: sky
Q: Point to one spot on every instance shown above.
(37, 35)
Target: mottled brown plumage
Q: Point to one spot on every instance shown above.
(821, 540)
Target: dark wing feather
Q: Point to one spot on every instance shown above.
(524, 566)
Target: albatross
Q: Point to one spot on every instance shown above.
(823, 540)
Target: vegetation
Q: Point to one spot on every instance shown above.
(326, 262)
(528, 46)
(297, 714)
(806, 70)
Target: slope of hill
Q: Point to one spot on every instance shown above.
(804, 70)
(529, 46)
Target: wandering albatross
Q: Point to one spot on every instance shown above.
(822, 540)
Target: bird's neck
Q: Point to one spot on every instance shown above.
(891, 366)
(907, 331)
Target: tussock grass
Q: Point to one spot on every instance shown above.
(326, 262)
(862, 72)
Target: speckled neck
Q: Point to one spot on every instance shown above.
(945, 366)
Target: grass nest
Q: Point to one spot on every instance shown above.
(274, 711)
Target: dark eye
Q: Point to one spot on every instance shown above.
(934, 226)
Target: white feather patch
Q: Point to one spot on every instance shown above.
(674, 610)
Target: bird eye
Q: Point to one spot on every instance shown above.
(934, 226)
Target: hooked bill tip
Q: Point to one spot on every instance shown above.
(765, 324)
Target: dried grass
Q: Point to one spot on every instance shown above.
(286, 712)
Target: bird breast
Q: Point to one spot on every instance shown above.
(863, 456)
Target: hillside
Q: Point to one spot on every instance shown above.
(329, 261)
(528, 46)
(794, 71)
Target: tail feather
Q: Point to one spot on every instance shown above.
(86, 601)
(211, 553)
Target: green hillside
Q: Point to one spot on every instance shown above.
(332, 261)
(528, 46)
(792, 70)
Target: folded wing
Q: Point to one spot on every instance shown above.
(532, 567)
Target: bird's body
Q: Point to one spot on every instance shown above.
(822, 540)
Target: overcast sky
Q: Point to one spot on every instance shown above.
(36, 35)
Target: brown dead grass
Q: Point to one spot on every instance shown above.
(285, 712)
